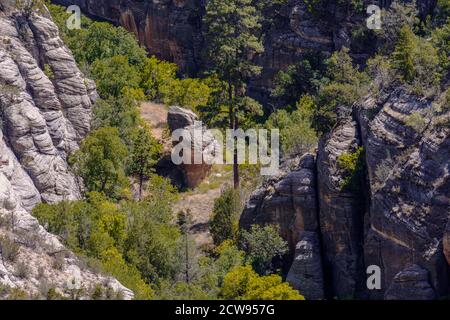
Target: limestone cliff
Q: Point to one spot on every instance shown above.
(45, 104)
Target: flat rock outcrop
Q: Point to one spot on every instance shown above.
(45, 104)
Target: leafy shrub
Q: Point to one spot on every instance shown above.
(262, 245)
(345, 85)
(441, 40)
(296, 133)
(114, 74)
(100, 162)
(352, 163)
(416, 121)
(397, 16)
(224, 222)
(242, 283)
(9, 249)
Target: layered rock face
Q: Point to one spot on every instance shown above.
(395, 218)
(172, 30)
(45, 106)
(169, 29)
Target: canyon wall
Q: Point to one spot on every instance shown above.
(46, 107)
(172, 30)
(394, 217)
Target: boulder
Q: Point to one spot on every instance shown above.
(179, 118)
(201, 140)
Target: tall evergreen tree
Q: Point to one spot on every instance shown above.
(233, 29)
(144, 155)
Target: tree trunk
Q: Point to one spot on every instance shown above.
(187, 256)
(233, 126)
(235, 162)
(141, 180)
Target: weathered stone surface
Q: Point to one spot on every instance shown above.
(410, 187)
(42, 121)
(341, 213)
(178, 118)
(202, 143)
(306, 274)
(410, 284)
(288, 200)
(446, 242)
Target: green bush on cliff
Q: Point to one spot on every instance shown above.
(352, 164)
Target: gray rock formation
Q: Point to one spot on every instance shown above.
(202, 141)
(409, 187)
(289, 201)
(306, 274)
(410, 284)
(178, 118)
(341, 212)
(397, 213)
(43, 117)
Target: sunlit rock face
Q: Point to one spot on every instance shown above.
(45, 104)
(172, 30)
(396, 217)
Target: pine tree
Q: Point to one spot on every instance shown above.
(232, 37)
(144, 155)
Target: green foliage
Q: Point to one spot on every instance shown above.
(152, 244)
(49, 72)
(9, 249)
(189, 93)
(416, 60)
(121, 113)
(224, 222)
(441, 41)
(442, 11)
(345, 85)
(416, 121)
(242, 283)
(100, 162)
(114, 74)
(352, 163)
(134, 241)
(296, 133)
(301, 78)
(232, 28)
(398, 15)
(262, 245)
(156, 77)
(145, 152)
(102, 41)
